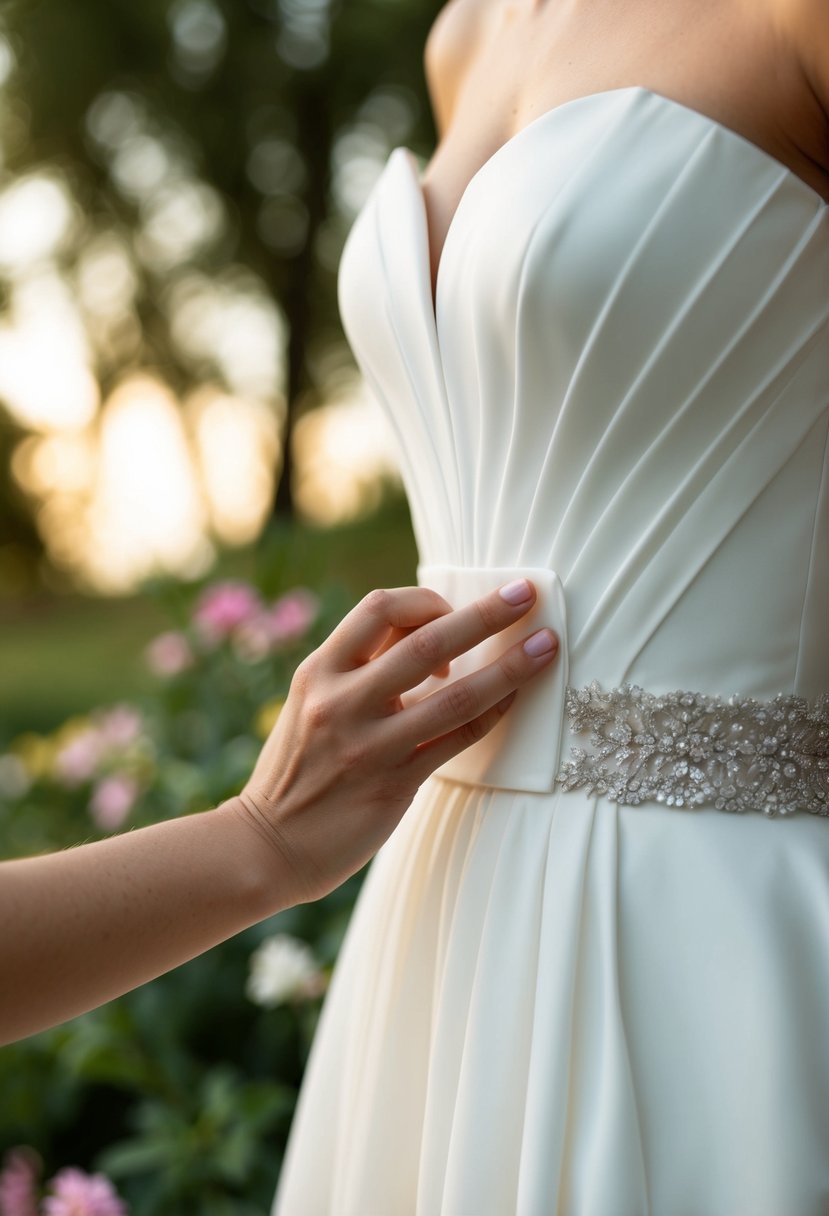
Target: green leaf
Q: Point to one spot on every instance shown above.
(133, 1157)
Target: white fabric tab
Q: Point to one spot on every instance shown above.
(522, 751)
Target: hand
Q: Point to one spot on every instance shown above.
(345, 758)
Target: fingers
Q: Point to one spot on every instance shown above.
(440, 725)
(429, 756)
(391, 639)
(430, 647)
(367, 626)
(395, 636)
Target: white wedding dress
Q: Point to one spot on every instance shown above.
(558, 997)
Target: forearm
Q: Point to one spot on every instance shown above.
(85, 925)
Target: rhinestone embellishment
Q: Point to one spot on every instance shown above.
(687, 749)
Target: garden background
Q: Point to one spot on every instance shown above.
(194, 488)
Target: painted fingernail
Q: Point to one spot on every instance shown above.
(540, 643)
(516, 593)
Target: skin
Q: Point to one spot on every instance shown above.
(760, 67)
(334, 778)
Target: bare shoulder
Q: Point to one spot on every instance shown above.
(450, 48)
(806, 23)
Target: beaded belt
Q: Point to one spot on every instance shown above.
(681, 748)
(688, 749)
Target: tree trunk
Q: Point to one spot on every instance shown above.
(311, 109)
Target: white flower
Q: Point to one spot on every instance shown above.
(283, 968)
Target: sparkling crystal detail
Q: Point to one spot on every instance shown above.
(689, 749)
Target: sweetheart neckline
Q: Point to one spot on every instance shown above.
(810, 191)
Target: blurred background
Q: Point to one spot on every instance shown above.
(194, 487)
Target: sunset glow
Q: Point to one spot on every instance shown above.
(143, 482)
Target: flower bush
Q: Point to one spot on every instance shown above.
(221, 679)
(75, 1193)
(70, 1193)
(181, 1092)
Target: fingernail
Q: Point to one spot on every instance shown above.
(540, 643)
(516, 593)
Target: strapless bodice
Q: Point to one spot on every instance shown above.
(625, 380)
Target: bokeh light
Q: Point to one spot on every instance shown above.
(46, 376)
(346, 453)
(236, 442)
(36, 219)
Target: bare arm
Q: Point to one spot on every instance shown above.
(334, 778)
(87, 924)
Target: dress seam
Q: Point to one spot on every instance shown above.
(812, 548)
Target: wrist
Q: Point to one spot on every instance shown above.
(266, 876)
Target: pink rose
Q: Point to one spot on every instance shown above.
(78, 1194)
(293, 614)
(18, 1183)
(252, 639)
(112, 800)
(120, 726)
(223, 607)
(78, 760)
(169, 653)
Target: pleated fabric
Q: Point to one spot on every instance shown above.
(547, 1004)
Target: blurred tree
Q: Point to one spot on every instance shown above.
(201, 142)
(19, 540)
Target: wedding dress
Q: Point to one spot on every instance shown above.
(596, 982)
